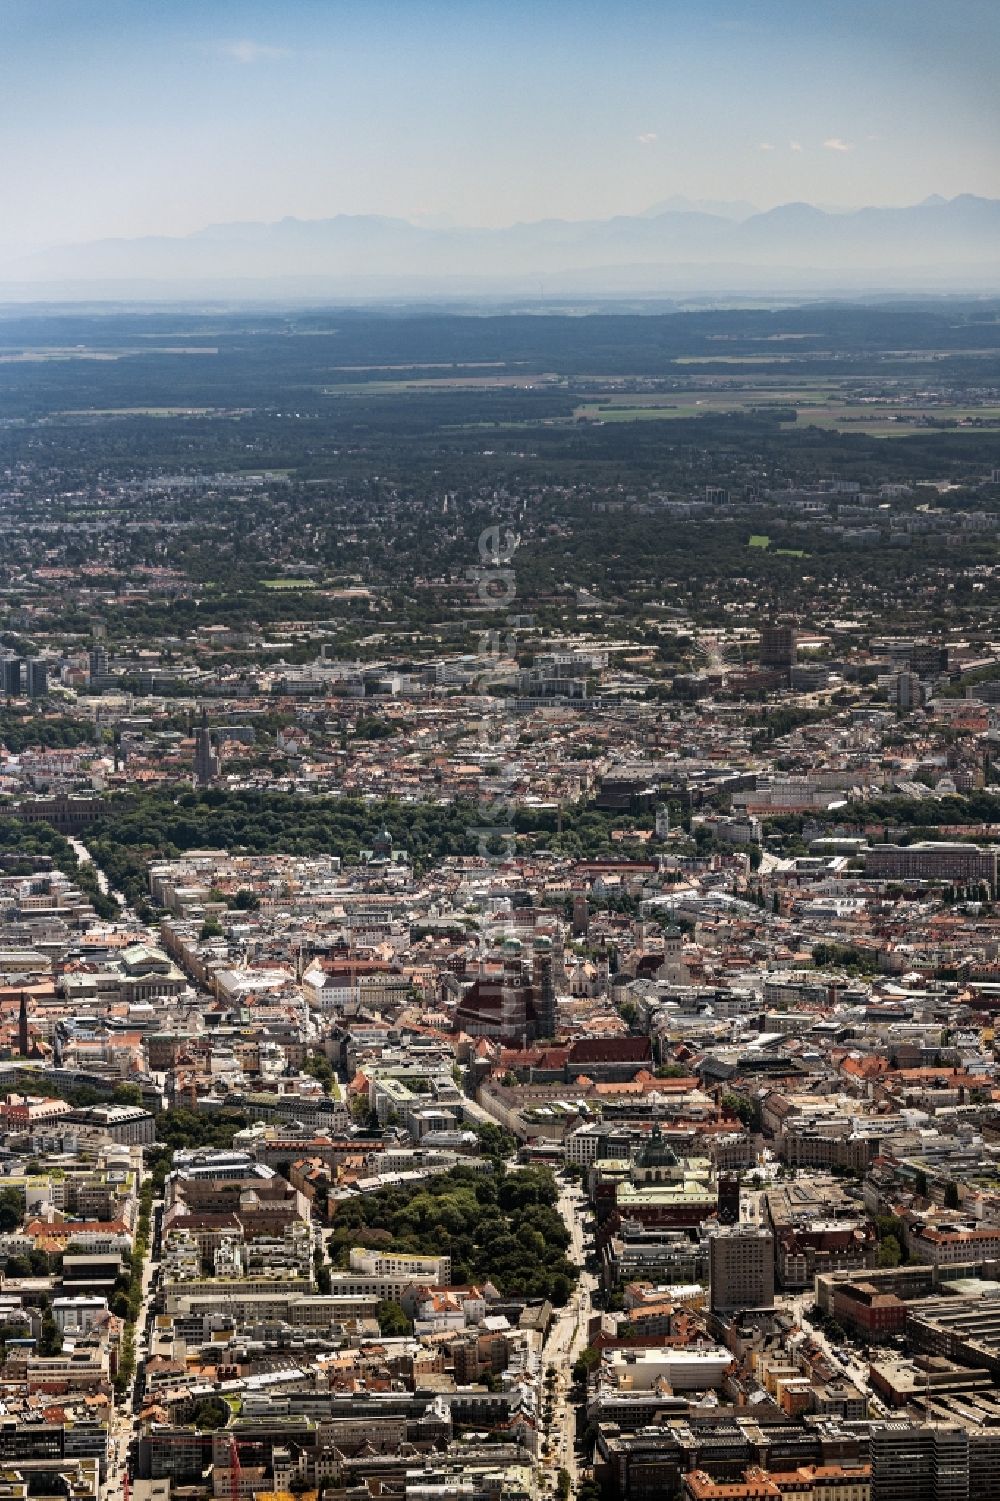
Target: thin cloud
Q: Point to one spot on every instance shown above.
(247, 52)
(836, 144)
(765, 146)
(795, 145)
(647, 138)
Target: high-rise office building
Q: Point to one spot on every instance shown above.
(741, 1269)
(100, 676)
(777, 646)
(38, 678)
(924, 1462)
(928, 658)
(12, 677)
(907, 692)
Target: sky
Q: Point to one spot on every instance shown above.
(136, 117)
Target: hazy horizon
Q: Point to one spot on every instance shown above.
(720, 208)
(122, 118)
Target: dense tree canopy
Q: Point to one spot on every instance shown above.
(506, 1230)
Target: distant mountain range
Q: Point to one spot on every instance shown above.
(722, 209)
(676, 245)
